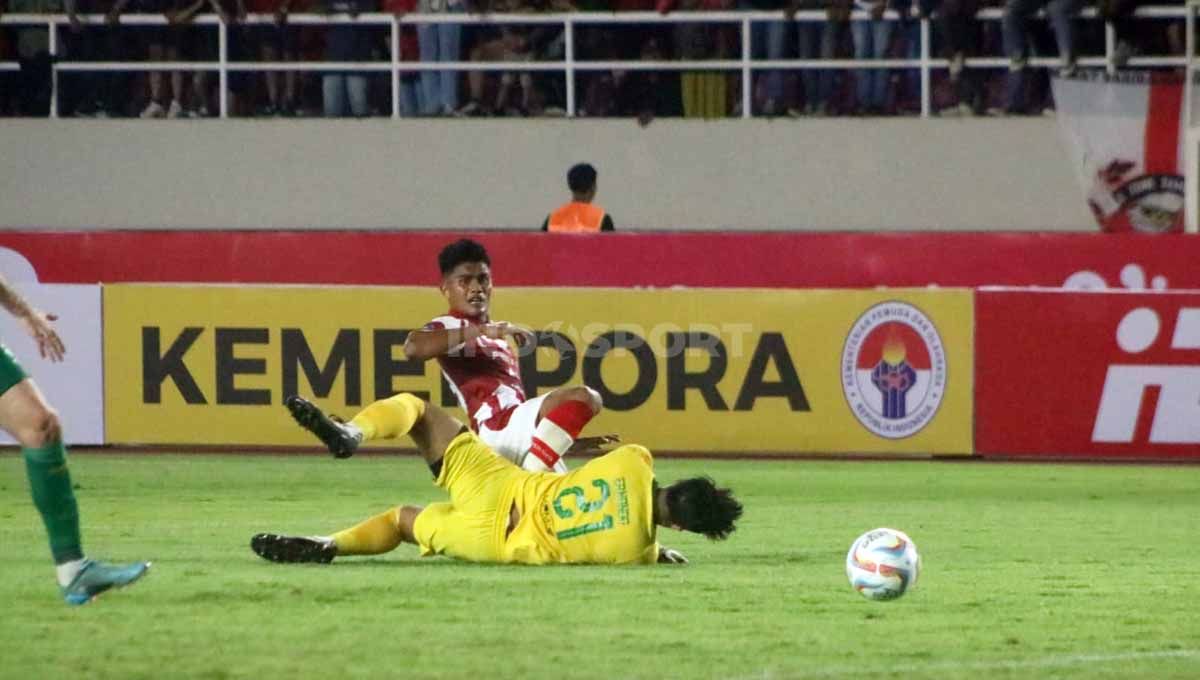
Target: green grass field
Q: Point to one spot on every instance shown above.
(1029, 571)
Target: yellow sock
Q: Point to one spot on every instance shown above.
(374, 536)
(389, 418)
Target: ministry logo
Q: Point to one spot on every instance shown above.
(894, 370)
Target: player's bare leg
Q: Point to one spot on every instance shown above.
(580, 393)
(26, 416)
(433, 432)
(406, 518)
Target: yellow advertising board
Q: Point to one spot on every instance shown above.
(705, 370)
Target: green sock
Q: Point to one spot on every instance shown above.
(50, 485)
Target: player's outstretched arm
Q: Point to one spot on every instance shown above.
(36, 323)
(427, 343)
(503, 329)
(592, 446)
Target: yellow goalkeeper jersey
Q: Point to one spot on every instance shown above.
(601, 513)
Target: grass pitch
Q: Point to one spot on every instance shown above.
(1029, 571)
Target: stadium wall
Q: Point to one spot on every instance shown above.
(1097, 355)
(820, 175)
(746, 260)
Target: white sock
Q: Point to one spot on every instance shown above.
(553, 436)
(552, 442)
(67, 571)
(532, 464)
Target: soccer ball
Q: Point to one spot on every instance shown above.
(883, 564)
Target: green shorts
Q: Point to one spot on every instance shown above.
(11, 372)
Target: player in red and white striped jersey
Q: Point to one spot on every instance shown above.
(479, 364)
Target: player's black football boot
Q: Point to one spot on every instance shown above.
(293, 549)
(336, 437)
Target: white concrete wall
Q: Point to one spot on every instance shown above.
(832, 174)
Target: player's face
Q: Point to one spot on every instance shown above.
(468, 289)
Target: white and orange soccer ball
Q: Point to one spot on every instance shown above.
(883, 564)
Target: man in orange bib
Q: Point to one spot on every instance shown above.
(579, 216)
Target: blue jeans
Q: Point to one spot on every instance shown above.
(871, 42)
(817, 40)
(410, 97)
(337, 88)
(769, 39)
(1016, 38)
(440, 42)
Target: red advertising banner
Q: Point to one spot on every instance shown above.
(752, 260)
(1099, 374)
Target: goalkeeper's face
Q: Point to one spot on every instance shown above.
(468, 289)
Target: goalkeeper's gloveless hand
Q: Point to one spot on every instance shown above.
(670, 556)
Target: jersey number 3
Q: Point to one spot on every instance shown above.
(584, 507)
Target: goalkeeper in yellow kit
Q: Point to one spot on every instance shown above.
(605, 512)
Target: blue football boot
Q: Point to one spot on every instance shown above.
(97, 577)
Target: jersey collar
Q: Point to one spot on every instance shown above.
(465, 317)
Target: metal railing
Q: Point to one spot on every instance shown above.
(1191, 154)
(569, 65)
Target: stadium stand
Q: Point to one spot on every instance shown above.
(534, 58)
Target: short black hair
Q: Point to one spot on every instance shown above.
(462, 250)
(581, 177)
(697, 505)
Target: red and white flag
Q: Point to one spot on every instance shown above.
(1125, 134)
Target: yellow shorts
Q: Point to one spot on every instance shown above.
(482, 486)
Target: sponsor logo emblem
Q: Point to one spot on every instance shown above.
(894, 370)
(1129, 387)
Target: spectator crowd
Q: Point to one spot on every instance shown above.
(1048, 28)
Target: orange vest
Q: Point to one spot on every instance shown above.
(576, 218)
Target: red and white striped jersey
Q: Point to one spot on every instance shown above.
(484, 375)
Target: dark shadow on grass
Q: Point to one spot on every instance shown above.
(357, 563)
(773, 558)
